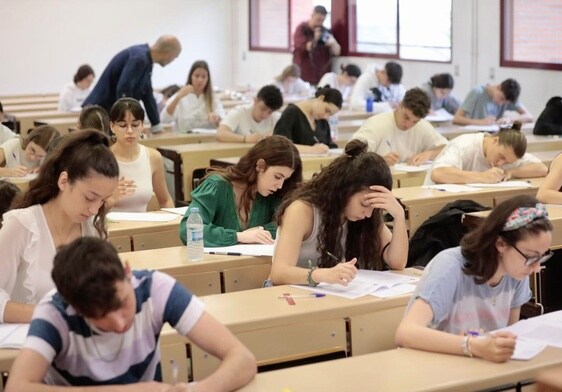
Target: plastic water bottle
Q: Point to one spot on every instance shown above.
(194, 226)
(333, 120)
(369, 103)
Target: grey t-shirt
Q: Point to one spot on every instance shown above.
(459, 304)
(478, 104)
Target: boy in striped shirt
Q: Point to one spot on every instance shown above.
(103, 325)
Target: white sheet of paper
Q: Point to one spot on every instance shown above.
(140, 217)
(176, 210)
(205, 131)
(455, 188)
(439, 115)
(355, 289)
(486, 128)
(411, 169)
(399, 289)
(503, 184)
(13, 335)
(242, 249)
(383, 278)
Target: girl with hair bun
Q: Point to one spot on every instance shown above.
(333, 224)
(66, 201)
(306, 123)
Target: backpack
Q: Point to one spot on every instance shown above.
(441, 231)
(550, 120)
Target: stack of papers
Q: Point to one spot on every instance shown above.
(377, 283)
(440, 115)
(534, 334)
(484, 128)
(176, 210)
(13, 335)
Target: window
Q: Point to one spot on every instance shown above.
(273, 22)
(403, 29)
(531, 34)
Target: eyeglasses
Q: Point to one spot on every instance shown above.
(532, 260)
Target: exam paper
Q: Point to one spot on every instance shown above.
(455, 188)
(242, 249)
(439, 115)
(503, 184)
(13, 335)
(411, 169)
(176, 210)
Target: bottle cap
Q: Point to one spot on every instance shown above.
(194, 210)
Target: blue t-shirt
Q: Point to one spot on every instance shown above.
(479, 104)
(459, 304)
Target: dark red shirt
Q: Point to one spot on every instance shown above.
(317, 62)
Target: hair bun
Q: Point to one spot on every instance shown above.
(517, 125)
(355, 148)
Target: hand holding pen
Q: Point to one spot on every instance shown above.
(342, 273)
(496, 347)
(392, 158)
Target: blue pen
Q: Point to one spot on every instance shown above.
(311, 295)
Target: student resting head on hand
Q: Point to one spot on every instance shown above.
(334, 223)
(481, 285)
(237, 204)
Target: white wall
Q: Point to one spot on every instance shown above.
(44, 42)
(476, 40)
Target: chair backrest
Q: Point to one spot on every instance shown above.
(198, 175)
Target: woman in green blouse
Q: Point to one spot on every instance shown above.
(237, 204)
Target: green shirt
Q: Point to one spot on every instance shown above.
(216, 202)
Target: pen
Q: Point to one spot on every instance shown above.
(311, 295)
(226, 253)
(333, 257)
(316, 139)
(388, 144)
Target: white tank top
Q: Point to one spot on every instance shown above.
(139, 171)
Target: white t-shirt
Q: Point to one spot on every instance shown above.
(6, 134)
(466, 152)
(14, 155)
(297, 87)
(383, 136)
(72, 97)
(191, 112)
(241, 122)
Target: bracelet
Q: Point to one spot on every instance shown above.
(466, 346)
(311, 268)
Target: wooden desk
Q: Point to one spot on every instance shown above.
(28, 118)
(347, 115)
(62, 124)
(188, 157)
(21, 183)
(29, 107)
(128, 236)
(421, 203)
(349, 126)
(169, 138)
(403, 370)
(278, 332)
(549, 380)
(214, 275)
(7, 356)
(32, 98)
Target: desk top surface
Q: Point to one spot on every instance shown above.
(116, 229)
(206, 147)
(402, 370)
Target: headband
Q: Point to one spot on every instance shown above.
(522, 216)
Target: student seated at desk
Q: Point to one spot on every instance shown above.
(486, 105)
(306, 123)
(438, 89)
(102, 329)
(333, 223)
(237, 204)
(194, 105)
(384, 81)
(550, 191)
(64, 202)
(481, 285)
(94, 117)
(20, 157)
(481, 157)
(403, 135)
(291, 84)
(344, 81)
(141, 168)
(74, 93)
(252, 123)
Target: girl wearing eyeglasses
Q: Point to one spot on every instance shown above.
(141, 169)
(481, 285)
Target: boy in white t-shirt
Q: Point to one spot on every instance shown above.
(252, 123)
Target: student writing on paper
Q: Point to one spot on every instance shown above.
(237, 203)
(195, 105)
(481, 285)
(481, 157)
(486, 105)
(19, 157)
(64, 202)
(344, 81)
(306, 123)
(251, 123)
(291, 84)
(438, 89)
(141, 168)
(384, 83)
(403, 134)
(339, 214)
(102, 328)
(550, 191)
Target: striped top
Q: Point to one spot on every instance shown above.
(80, 354)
